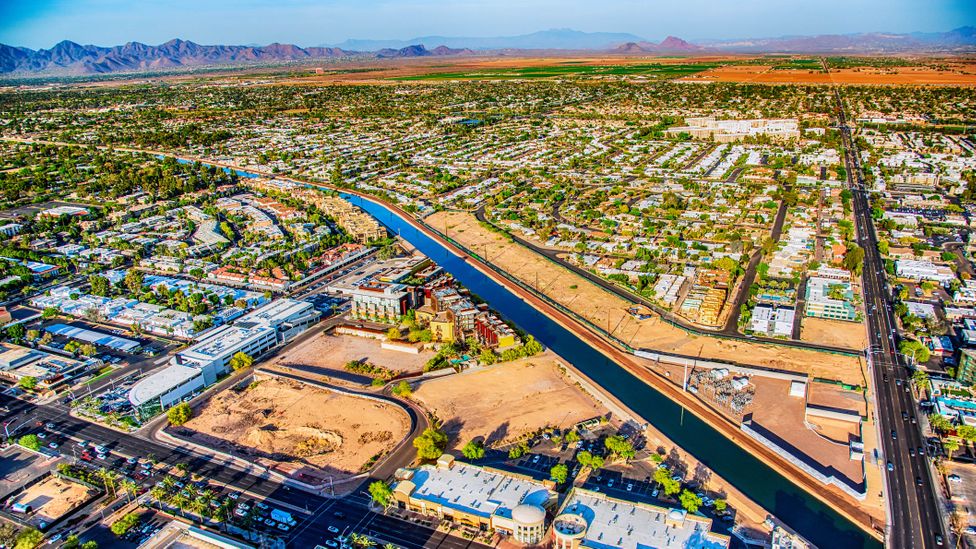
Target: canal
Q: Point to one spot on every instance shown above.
(801, 511)
(806, 514)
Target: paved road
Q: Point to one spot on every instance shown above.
(915, 517)
(731, 327)
(358, 518)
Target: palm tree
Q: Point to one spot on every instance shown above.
(180, 501)
(130, 488)
(158, 494)
(108, 480)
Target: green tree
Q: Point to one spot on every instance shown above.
(518, 450)
(31, 442)
(966, 432)
(921, 378)
(99, 285)
(124, 524)
(430, 444)
(559, 473)
(586, 459)
(854, 259)
(241, 361)
(473, 450)
(134, 280)
(690, 501)
(571, 437)
(619, 447)
(179, 414)
(914, 349)
(28, 538)
(487, 357)
(721, 505)
(27, 382)
(50, 312)
(381, 493)
(8, 534)
(16, 332)
(402, 389)
(939, 423)
(393, 334)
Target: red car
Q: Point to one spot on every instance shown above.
(85, 456)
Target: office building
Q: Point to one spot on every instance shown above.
(202, 364)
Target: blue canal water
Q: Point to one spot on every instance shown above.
(804, 513)
(807, 515)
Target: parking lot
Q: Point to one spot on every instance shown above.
(962, 489)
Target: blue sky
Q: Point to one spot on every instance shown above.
(42, 23)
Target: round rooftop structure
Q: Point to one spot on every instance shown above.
(569, 529)
(528, 514)
(529, 522)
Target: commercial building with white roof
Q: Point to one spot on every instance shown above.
(201, 364)
(594, 519)
(484, 498)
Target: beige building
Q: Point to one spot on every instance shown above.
(480, 497)
(726, 131)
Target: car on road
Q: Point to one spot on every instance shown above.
(49, 425)
(132, 460)
(954, 478)
(42, 435)
(332, 529)
(918, 481)
(891, 466)
(911, 452)
(283, 527)
(52, 445)
(894, 435)
(331, 543)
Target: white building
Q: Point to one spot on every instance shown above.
(594, 519)
(923, 270)
(773, 321)
(201, 364)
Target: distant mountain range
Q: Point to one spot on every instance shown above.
(69, 58)
(552, 39)
(960, 39)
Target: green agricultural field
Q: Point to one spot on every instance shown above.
(662, 71)
(798, 64)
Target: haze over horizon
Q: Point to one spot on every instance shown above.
(43, 23)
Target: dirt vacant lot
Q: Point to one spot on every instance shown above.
(327, 354)
(53, 497)
(276, 421)
(607, 310)
(852, 335)
(501, 402)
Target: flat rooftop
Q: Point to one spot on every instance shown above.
(162, 381)
(618, 523)
(477, 491)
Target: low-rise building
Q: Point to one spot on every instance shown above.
(480, 497)
(830, 299)
(201, 364)
(923, 270)
(594, 519)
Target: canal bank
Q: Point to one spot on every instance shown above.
(826, 518)
(753, 470)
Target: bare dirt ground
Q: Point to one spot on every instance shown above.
(275, 421)
(958, 75)
(609, 311)
(833, 332)
(503, 401)
(327, 354)
(53, 497)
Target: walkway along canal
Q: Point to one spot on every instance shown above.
(811, 517)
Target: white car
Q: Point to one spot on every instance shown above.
(333, 529)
